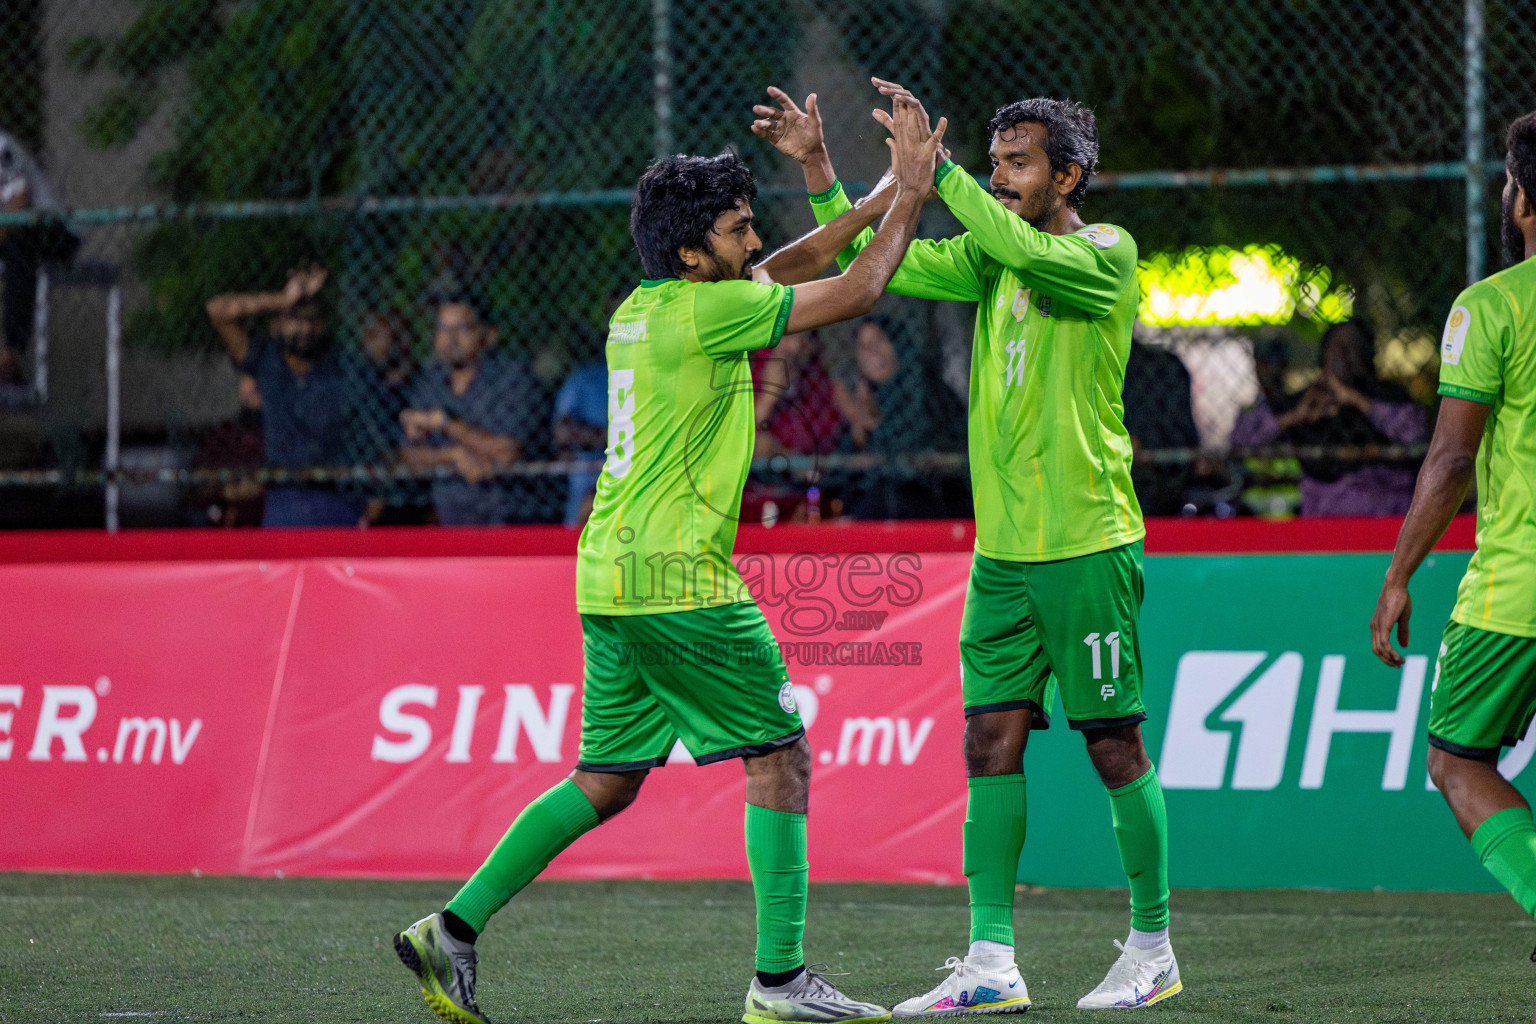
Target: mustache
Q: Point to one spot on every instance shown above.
(1005, 193)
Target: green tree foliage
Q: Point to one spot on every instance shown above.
(305, 99)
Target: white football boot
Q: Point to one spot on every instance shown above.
(809, 997)
(968, 990)
(1139, 978)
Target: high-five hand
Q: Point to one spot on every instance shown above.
(895, 91)
(794, 132)
(912, 145)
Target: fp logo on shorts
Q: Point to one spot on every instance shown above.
(1107, 691)
(787, 698)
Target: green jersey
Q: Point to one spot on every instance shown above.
(1050, 456)
(1488, 354)
(680, 435)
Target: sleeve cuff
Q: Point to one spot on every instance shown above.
(1470, 394)
(943, 172)
(782, 320)
(828, 195)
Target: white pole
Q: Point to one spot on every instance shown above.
(114, 405)
(1477, 177)
(40, 337)
(661, 54)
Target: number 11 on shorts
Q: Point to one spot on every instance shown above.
(1112, 641)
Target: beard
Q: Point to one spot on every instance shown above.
(1511, 238)
(719, 270)
(1042, 204)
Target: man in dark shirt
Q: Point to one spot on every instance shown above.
(297, 380)
(470, 411)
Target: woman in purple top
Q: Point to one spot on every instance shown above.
(1347, 405)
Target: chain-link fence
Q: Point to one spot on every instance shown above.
(1284, 165)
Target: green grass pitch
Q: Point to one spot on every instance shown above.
(165, 949)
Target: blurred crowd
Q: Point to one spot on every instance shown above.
(470, 434)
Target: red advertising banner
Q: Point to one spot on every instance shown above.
(389, 716)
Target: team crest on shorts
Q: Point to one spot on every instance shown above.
(787, 698)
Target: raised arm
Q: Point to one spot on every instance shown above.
(797, 134)
(1071, 268)
(855, 291)
(805, 258)
(1088, 270)
(229, 311)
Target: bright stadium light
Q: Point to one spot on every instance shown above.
(1254, 285)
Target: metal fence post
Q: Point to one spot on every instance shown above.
(661, 54)
(1477, 178)
(113, 454)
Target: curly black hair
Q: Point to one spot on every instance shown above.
(1071, 136)
(1520, 150)
(677, 201)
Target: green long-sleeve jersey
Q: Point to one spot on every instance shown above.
(1050, 456)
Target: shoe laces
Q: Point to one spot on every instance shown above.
(958, 965)
(467, 962)
(816, 984)
(1124, 969)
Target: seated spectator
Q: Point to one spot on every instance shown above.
(1347, 405)
(1158, 415)
(23, 186)
(383, 384)
(795, 406)
(1271, 488)
(581, 428)
(470, 411)
(883, 399)
(793, 398)
(884, 404)
(295, 376)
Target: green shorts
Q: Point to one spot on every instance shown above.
(713, 678)
(1484, 693)
(1030, 627)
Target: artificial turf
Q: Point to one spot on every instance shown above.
(164, 949)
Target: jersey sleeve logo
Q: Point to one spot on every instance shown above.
(1101, 235)
(1455, 337)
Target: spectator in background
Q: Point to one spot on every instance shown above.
(793, 398)
(23, 186)
(295, 377)
(795, 407)
(1158, 415)
(1271, 487)
(884, 404)
(581, 426)
(386, 369)
(1347, 405)
(471, 411)
(883, 399)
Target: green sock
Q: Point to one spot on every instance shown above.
(776, 857)
(1506, 844)
(546, 826)
(994, 838)
(1141, 832)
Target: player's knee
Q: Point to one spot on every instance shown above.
(994, 743)
(609, 792)
(1117, 754)
(1447, 769)
(789, 764)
